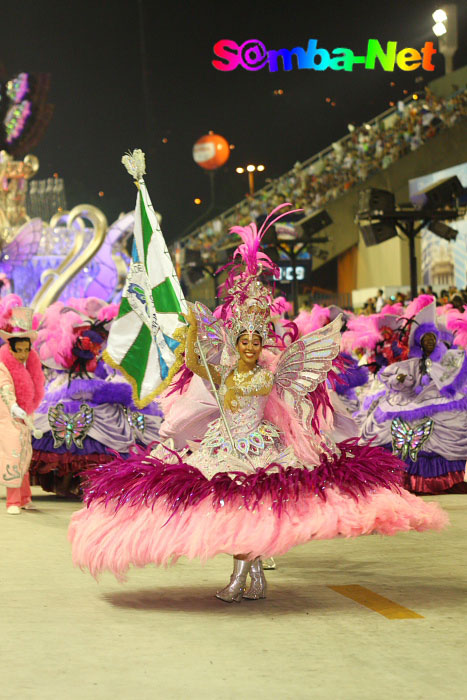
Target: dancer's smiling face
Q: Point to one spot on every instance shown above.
(249, 348)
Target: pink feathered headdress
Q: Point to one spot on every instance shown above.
(252, 261)
(308, 321)
(7, 304)
(362, 332)
(396, 309)
(456, 322)
(418, 304)
(63, 324)
(246, 300)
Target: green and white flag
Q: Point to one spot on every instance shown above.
(146, 339)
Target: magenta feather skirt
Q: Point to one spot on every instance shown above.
(143, 510)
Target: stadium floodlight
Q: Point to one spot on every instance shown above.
(439, 29)
(445, 29)
(439, 16)
(250, 169)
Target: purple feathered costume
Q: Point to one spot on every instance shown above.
(421, 414)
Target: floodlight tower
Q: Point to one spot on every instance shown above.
(445, 28)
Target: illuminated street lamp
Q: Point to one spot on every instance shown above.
(251, 170)
(445, 28)
(439, 16)
(439, 29)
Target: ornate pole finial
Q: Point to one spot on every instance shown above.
(135, 163)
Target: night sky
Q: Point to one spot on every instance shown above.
(92, 51)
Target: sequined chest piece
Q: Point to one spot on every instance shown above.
(251, 434)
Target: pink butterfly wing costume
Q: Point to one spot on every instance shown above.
(256, 496)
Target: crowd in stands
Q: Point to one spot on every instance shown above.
(453, 296)
(366, 150)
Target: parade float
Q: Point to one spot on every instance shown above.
(70, 268)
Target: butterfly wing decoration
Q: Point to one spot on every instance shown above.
(304, 365)
(407, 440)
(211, 334)
(16, 109)
(24, 112)
(68, 428)
(23, 246)
(58, 424)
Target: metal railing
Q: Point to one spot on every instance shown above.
(293, 171)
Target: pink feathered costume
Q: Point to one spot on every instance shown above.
(24, 385)
(283, 484)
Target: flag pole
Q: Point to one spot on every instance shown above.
(213, 386)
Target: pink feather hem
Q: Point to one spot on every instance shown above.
(105, 539)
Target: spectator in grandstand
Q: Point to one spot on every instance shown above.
(379, 301)
(369, 307)
(443, 297)
(458, 302)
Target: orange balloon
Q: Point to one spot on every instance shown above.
(211, 151)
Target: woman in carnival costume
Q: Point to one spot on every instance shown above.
(88, 411)
(420, 413)
(377, 341)
(266, 476)
(21, 391)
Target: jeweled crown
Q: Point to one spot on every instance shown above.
(250, 311)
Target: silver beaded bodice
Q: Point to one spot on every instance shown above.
(251, 434)
(249, 415)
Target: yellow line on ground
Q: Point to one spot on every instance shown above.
(378, 603)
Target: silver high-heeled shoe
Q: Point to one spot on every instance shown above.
(236, 588)
(258, 585)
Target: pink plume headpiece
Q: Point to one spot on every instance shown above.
(281, 306)
(247, 301)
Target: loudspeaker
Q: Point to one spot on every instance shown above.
(192, 266)
(273, 253)
(315, 223)
(377, 232)
(376, 200)
(191, 257)
(269, 238)
(192, 274)
(443, 230)
(444, 192)
(222, 256)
